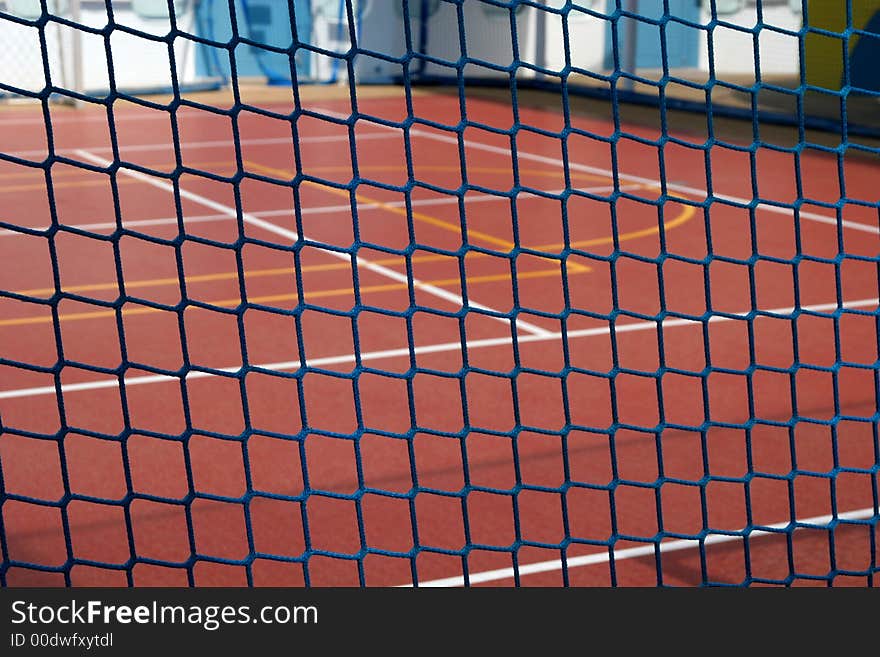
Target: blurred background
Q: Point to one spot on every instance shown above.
(752, 51)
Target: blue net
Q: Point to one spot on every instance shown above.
(484, 322)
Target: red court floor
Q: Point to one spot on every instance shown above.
(464, 446)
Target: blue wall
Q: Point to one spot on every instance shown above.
(264, 21)
(682, 42)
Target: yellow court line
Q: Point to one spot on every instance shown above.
(251, 273)
(686, 215)
(68, 170)
(102, 182)
(688, 212)
(227, 303)
(363, 198)
(86, 181)
(448, 167)
(574, 268)
(229, 167)
(160, 282)
(419, 216)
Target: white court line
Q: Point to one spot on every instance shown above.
(685, 189)
(293, 237)
(321, 209)
(696, 191)
(86, 117)
(585, 168)
(817, 522)
(428, 349)
(98, 116)
(585, 560)
(217, 143)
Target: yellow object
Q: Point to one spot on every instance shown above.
(824, 59)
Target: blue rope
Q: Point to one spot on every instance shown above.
(417, 65)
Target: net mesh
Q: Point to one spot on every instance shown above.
(23, 58)
(783, 60)
(418, 454)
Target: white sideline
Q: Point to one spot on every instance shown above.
(428, 349)
(293, 237)
(537, 334)
(819, 522)
(215, 143)
(686, 189)
(320, 209)
(804, 214)
(585, 168)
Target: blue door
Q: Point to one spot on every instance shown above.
(682, 42)
(263, 21)
(270, 24)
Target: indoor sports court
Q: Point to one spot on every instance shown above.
(439, 293)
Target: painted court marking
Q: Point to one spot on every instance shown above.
(319, 209)
(383, 132)
(685, 189)
(536, 334)
(429, 349)
(214, 143)
(552, 565)
(585, 168)
(293, 237)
